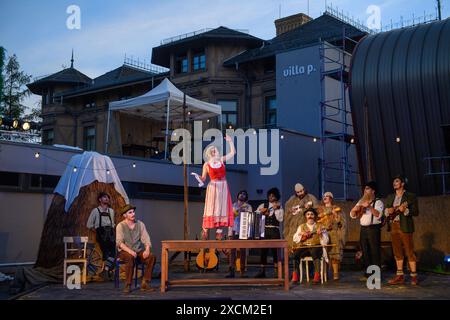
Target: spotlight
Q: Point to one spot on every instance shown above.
(15, 123)
(134, 165)
(37, 155)
(397, 140)
(75, 169)
(26, 126)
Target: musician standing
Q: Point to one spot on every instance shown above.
(311, 234)
(241, 205)
(295, 206)
(273, 212)
(369, 210)
(332, 218)
(403, 205)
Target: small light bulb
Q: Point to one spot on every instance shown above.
(207, 121)
(75, 169)
(26, 126)
(108, 172)
(254, 131)
(315, 139)
(282, 137)
(397, 140)
(15, 123)
(352, 140)
(37, 155)
(134, 165)
(156, 151)
(230, 127)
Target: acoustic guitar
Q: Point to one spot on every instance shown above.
(206, 259)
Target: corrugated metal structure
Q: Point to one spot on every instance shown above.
(400, 88)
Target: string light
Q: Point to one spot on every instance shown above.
(134, 165)
(26, 126)
(207, 121)
(315, 140)
(15, 123)
(282, 137)
(74, 169)
(156, 152)
(37, 155)
(352, 140)
(108, 172)
(254, 131)
(397, 140)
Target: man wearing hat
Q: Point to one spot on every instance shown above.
(133, 242)
(401, 207)
(295, 208)
(310, 234)
(369, 211)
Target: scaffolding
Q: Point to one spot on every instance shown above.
(335, 120)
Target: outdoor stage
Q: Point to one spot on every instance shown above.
(432, 286)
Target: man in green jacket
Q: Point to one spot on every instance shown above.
(401, 207)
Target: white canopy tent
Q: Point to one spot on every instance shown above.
(165, 101)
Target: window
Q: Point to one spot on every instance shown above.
(229, 113)
(271, 111)
(44, 181)
(181, 64)
(199, 61)
(9, 179)
(45, 97)
(48, 137)
(89, 138)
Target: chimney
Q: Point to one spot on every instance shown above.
(290, 23)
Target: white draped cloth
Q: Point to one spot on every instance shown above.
(82, 170)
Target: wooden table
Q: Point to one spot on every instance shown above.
(190, 245)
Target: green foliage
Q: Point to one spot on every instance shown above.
(14, 89)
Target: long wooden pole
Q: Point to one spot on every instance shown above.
(186, 231)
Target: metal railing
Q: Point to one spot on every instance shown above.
(17, 136)
(194, 33)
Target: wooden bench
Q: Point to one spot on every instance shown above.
(190, 245)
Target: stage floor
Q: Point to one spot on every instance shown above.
(350, 287)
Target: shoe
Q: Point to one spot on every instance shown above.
(294, 277)
(146, 287)
(261, 274)
(398, 279)
(414, 281)
(231, 274)
(335, 276)
(316, 279)
(127, 288)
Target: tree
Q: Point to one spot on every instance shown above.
(14, 90)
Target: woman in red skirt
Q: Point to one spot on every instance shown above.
(218, 211)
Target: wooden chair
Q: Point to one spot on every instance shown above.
(323, 269)
(75, 249)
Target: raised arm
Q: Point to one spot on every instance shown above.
(232, 149)
(204, 171)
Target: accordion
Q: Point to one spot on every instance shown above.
(251, 225)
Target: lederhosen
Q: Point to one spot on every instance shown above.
(106, 237)
(271, 231)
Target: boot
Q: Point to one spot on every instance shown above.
(335, 267)
(398, 279)
(316, 279)
(294, 277)
(231, 274)
(261, 273)
(146, 287)
(127, 288)
(414, 281)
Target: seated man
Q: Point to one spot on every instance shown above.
(133, 241)
(311, 234)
